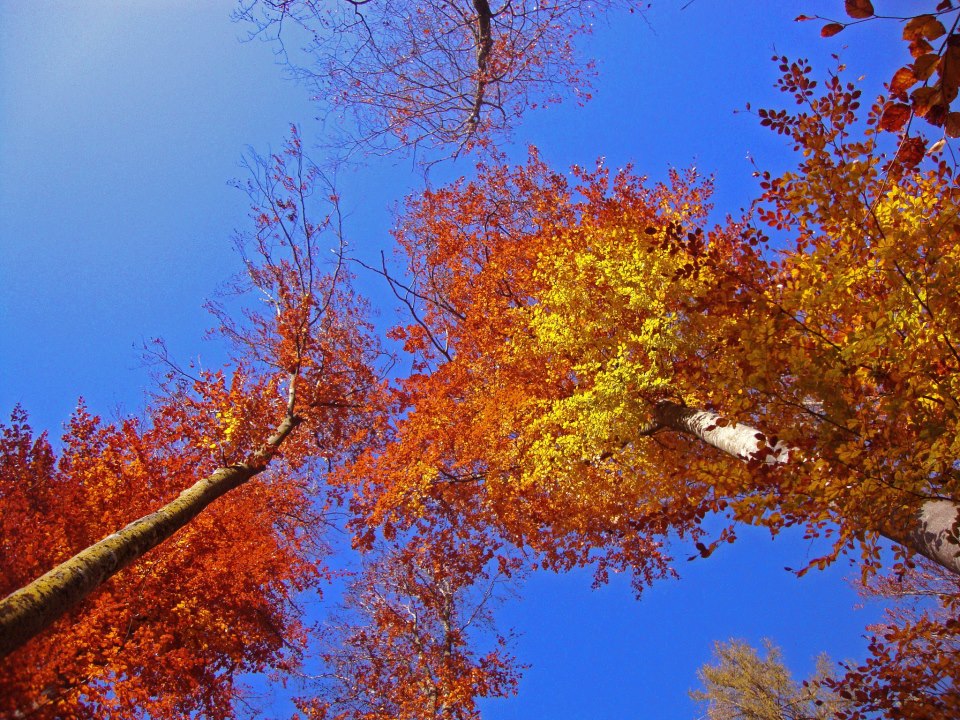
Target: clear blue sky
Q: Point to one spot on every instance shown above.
(121, 124)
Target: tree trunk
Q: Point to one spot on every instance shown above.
(935, 530)
(31, 609)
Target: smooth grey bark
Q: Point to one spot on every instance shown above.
(935, 529)
(31, 609)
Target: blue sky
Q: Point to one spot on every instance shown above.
(121, 125)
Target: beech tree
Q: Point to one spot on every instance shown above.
(598, 369)
(445, 75)
(741, 685)
(217, 599)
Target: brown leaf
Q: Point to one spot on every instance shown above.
(830, 29)
(937, 114)
(924, 98)
(950, 67)
(925, 27)
(894, 117)
(919, 47)
(859, 9)
(952, 124)
(924, 65)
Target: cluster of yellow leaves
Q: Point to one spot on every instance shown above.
(559, 317)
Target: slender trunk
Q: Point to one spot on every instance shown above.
(28, 611)
(934, 530)
(484, 39)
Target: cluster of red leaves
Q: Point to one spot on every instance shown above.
(934, 74)
(217, 599)
(214, 603)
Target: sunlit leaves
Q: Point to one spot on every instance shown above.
(741, 685)
(213, 603)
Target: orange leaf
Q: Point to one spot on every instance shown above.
(923, 27)
(924, 99)
(924, 65)
(894, 117)
(902, 81)
(919, 47)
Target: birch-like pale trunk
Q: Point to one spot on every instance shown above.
(935, 532)
(28, 611)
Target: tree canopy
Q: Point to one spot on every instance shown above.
(601, 375)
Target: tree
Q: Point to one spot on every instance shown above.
(446, 75)
(294, 404)
(215, 602)
(740, 685)
(571, 334)
(594, 362)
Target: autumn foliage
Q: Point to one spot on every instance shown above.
(214, 604)
(552, 322)
(564, 330)
(407, 643)
(926, 87)
(218, 599)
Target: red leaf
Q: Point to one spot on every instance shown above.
(894, 117)
(952, 124)
(859, 9)
(903, 80)
(830, 29)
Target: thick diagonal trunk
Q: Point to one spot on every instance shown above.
(28, 611)
(934, 531)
